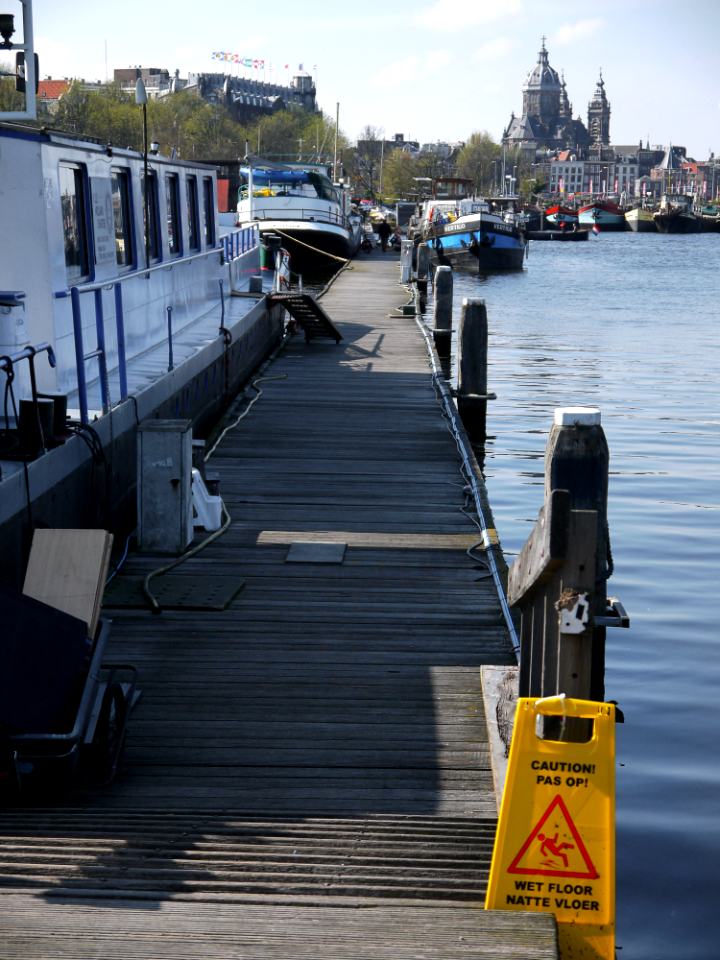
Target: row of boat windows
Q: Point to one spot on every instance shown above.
(75, 195)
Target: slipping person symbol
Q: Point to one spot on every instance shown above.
(550, 848)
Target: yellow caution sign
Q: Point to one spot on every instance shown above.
(555, 844)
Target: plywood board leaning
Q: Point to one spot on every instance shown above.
(67, 570)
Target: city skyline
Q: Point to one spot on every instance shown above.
(437, 71)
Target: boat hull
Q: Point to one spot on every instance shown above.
(606, 216)
(677, 223)
(312, 246)
(640, 221)
(477, 245)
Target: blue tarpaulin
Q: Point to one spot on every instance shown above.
(275, 176)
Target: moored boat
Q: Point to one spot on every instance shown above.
(484, 237)
(640, 220)
(559, 214)
(675, 214)
(604, 214)
(312, 215)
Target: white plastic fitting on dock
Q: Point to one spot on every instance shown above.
(577, 416)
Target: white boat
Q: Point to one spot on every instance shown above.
(113, 329)
(310, 213)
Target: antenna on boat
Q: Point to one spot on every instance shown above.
(141, 100)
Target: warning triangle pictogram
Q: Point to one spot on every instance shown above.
(557, 851)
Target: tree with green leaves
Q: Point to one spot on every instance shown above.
(477, 160)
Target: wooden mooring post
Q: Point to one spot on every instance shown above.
(443, 311)
(422, 268)
(559, 579)
(472, 392)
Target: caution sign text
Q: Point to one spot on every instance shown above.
(555, 844)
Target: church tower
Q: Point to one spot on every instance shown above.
(599, 115)
(565, 105)
(542, 89)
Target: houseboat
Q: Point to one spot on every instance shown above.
(110, 322)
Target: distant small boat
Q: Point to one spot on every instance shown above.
(559, 214)
(603, 214)
(640, 220)
(572, 233)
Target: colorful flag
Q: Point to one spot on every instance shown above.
(300, 66)
(591, 186)
(287, 66)
(247, 62)
(262, 64)
(595, 229)
(562, 186)
(235, 58)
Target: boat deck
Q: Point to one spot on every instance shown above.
(308, 772)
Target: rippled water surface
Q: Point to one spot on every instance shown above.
(631, 323)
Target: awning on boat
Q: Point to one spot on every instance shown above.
(276, 176)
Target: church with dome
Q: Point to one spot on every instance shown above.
(547, 122)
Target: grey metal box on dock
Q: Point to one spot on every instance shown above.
(164, 489)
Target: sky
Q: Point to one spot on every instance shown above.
(429, 69)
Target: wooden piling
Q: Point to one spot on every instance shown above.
(577, 459)
(472, 366)
(442, 310)
(423, 264)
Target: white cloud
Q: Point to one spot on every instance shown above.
(571, 32)
(411, 68)
(396, 74)
(494, 49)
(450, 15)
(57, 59)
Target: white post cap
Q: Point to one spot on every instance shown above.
(577, 416)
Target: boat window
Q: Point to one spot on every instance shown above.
(209, 212)
(192, 212)
(74, 216)
(121, 209)
(172, 194)
(154, 241)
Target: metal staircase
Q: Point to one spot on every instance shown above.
(305, 309)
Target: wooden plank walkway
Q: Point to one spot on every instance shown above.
(322, 741)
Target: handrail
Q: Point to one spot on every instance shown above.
(318, 215)
(231, 246)
(238, 242)
(28, 353)
(140, 272)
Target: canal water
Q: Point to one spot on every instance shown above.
(630, 323)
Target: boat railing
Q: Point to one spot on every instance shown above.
(316, 214)
(232, 246)
(238, 242)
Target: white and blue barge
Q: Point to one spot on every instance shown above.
(119, 324)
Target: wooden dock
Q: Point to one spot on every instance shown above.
(308, 773)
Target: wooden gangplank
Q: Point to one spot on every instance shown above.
(308, 773)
